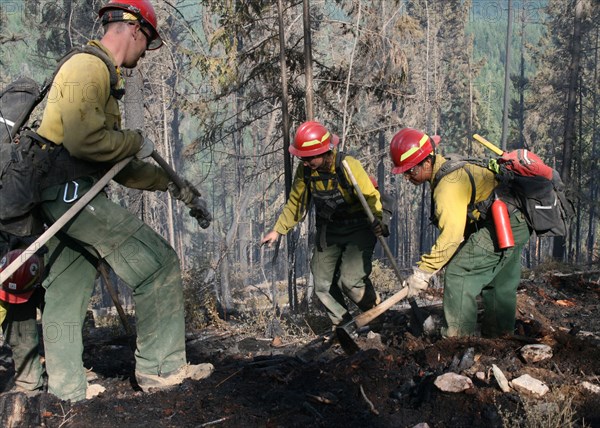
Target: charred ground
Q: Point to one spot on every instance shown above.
(278, 379)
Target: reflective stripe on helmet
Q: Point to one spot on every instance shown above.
(412, 150)
(129, 17)
(316, 142)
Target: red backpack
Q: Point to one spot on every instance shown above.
(536, 189)
(525, 163)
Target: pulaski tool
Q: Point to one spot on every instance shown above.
(344, 331)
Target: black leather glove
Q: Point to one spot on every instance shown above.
(379, 229)
(199, 210)
(190, 196)
(385, 230)
(185, 194)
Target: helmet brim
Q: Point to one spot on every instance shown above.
(15, 299)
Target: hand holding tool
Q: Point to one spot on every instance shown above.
(198, 208)
(344, 331)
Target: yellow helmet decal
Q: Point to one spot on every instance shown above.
(412, 150)
(316, 142)
(129, 17)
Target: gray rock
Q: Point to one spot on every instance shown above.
(528, 384)
(452, 382)
(536, 352)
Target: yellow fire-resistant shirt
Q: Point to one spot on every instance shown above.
(3, 311)
(82, 115)
(452, 196)
(296, 205)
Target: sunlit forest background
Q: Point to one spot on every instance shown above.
(213, 99)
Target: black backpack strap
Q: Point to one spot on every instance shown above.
(448, 167)
(115, 89)
(305, 198)
(341, 174)
(452, 164)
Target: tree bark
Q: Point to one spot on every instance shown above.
(507, 78)
(569, 135)
(308, 71)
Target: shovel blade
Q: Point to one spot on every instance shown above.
(418, 317)
(344, 335)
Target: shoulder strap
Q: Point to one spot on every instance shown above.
(41, 94)
(115, 91)
(452, 164)
(449, 166)
(339, 170)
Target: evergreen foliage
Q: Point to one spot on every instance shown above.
(212, 97)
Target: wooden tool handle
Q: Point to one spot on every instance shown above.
(368, 316)
(487, 144)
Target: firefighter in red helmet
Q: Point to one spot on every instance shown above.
(345, 237)
(90, 129)
(134, 11)
(466, 246)
(20, 296)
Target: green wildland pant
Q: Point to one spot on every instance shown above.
(21, 334)
(479, 267)
(139, 256)
(349, 248)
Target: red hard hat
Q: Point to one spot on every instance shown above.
(133, 10)
(312, 139)
(409, 147)
(21, 284)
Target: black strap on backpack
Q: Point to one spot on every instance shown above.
(340, 176)
(25, 88)
(115, 91)
(452, 164)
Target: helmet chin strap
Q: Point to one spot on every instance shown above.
(433, 152)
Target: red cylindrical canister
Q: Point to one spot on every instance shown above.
(502, 224)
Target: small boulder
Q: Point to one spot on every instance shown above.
(467, 360)
(452, 382)
(536, 352)
(528, 384)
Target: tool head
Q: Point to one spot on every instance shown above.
(344, 334)
(418, 317)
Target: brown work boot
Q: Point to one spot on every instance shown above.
(167, 380)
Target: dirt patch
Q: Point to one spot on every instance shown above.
(300, 380)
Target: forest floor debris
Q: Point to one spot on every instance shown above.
(294, 380)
